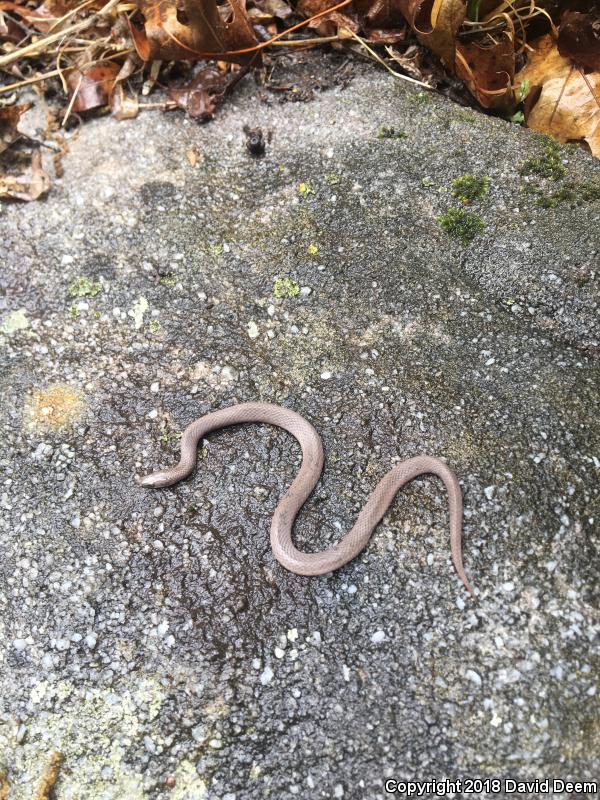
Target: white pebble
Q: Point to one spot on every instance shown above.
(489, 492)
(326, 375)
(266, 676)
(473, 676)
(378, 636)
(154, 387)
(292, 634)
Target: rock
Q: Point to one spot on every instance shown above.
(410, 342)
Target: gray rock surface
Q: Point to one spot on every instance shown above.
(151, 636)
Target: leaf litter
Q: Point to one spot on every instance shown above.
(531, 61)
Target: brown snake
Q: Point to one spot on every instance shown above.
(310, 470)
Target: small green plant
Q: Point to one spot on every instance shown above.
(285, 287)
(523, 89)
(461, 224)
(547, 165)
(470, 187)
(427, 182)
(215, 249)
(473, 10)
(332, 179)
(154, 326)
(74, 312)
(169, 279)
(84, 287)
(387, 132)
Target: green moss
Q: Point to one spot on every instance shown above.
(572, 193)
(84, 287)
(169, 279)
(74, 312)
(461, 224)
(470, 187)
(387, 132)
(332, 179)
(154, 326)
(419, 98)
(285, 287)
(547, 165)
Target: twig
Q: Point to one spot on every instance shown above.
(380, 60)
(49, 777)
(300, 42)
(32, 49)
(53, 73)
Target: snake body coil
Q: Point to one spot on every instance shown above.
(310, 470)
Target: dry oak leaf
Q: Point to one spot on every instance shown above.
(9, 120)
(199, 29)
(92, 85)
(201, 96)
(436, 23)
(488, 70)
(30, 185)
(568, 102)
(579, 38)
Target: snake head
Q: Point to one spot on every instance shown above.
(156, 480)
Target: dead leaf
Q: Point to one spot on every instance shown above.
(377, 21)
(193, 156)
(31, 184)
(198, 29)
(568, 103)
(579, 38)
(488, 70)
(202, 95)
(9, 121)
(122, 104)
(92, 85)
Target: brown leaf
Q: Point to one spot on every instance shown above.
(378, 21)
(202, 95)
(568, 104)
(9, 120)
(197, 30)
(445, 19)
(31, 184)
(92, 85)
(579, 38)
(122, 104)
(48, 13)
(488, 70)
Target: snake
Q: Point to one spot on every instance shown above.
(282, 523)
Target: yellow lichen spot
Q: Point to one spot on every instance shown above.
(55, 407)
(313, 249)
(305, 189)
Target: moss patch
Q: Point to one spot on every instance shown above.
(571, 193)
(461, 224)
(387, 132)
(470, 187)
(547, 165)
